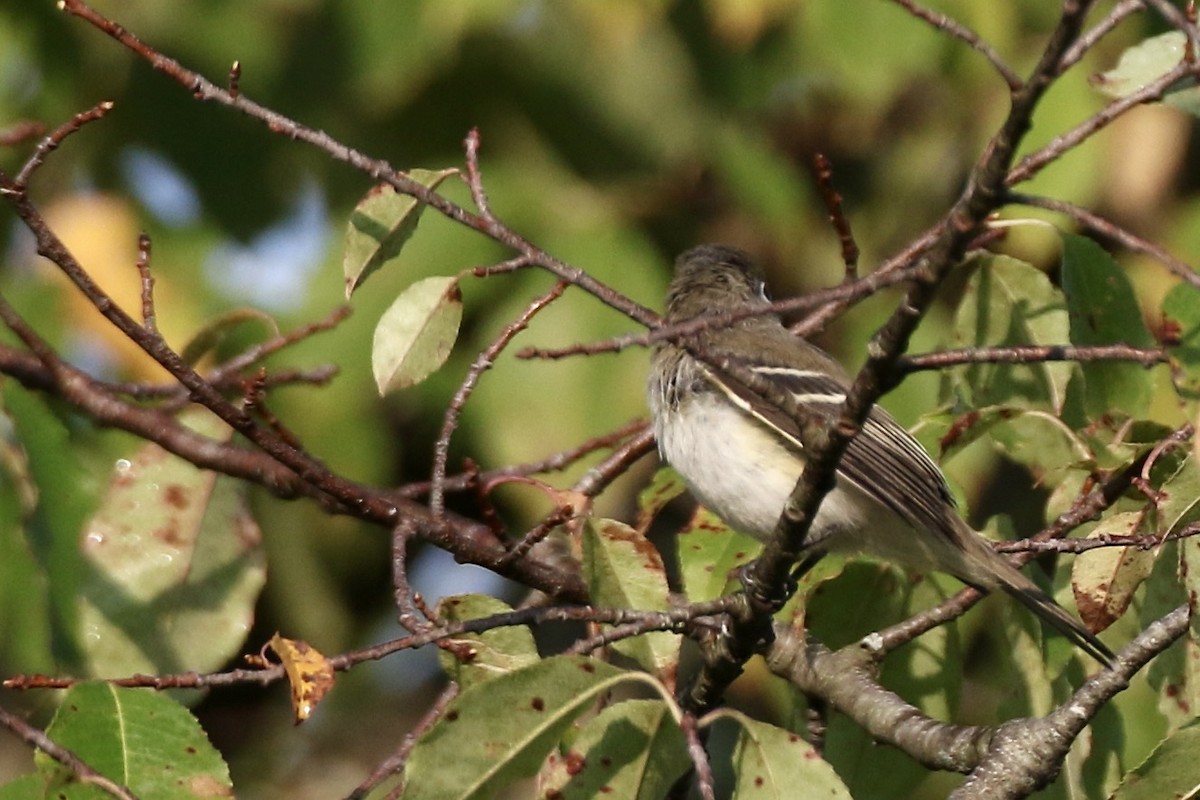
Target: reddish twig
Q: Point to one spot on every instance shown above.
(1098, 31)
(20, 131)
(149, 320)
(837, 216)
(394, 764)
(378, 170)
(1110, 230)
(961, 32)
(1032, 354)
(56, 137)
(38, 739)
(483, 362)
(1033, 163)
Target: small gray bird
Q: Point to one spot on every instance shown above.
(741, 454)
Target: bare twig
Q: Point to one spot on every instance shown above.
(1032, 354)
(483, 362)
(962, 32)
(56, 137)
(1111, 230)
(38, 739)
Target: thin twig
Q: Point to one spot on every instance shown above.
(1110, 230)
(38, 739)
(960, 31)
(149, 319)
(56, 137)
(394, 764)
(483, 362)
(1032, 354)
(1098, 31)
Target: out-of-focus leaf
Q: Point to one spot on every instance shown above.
(1104, 310)
(770, 762)
(477, 657)
(216, 332)
(66, 495)
(1010, 302)
(174, 565)
(24, 606)
(381, 224)
(140, 738)
(309, 673)
(1148, 61)
(1104, 579)
(415, 335)
(1036, 439)
(1172, 770)
(624, 570)
(632, 749)
(1181, 318)
(503, 729)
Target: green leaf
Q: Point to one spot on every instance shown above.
(770, 762)
(664, 487)
(633, 749)
(710, 552)
(1146, 62)
(478, 657)
(381, 224)
(24, 603)
(218, 331)
(66, 495)
(1038, 440)
(1009, 302)
(140, 738)
(1104, 310)
(624, 570)
(502, 730)
(415, 335)
(1171, 770)
(1103, 580)
(1181, 318)
(175, 565)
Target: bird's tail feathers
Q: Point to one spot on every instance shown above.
(1028, 594)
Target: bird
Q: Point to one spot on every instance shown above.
(740, 451)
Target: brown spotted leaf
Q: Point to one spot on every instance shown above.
(174, 565)
(308, 671)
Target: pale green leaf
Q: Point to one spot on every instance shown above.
(140, 738)
(476, 657)
(710, 552)
(381, 224)
(175, 565)
(415, 335)
(770, 762)
(632, 749)
(1010, 302)
(624, 570)
(1145, 63)
(501, 730)
(1171, 770)
(1104, 579)
(1181, 317)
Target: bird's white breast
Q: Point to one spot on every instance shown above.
(740, 469)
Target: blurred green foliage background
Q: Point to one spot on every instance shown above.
(614, 135)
